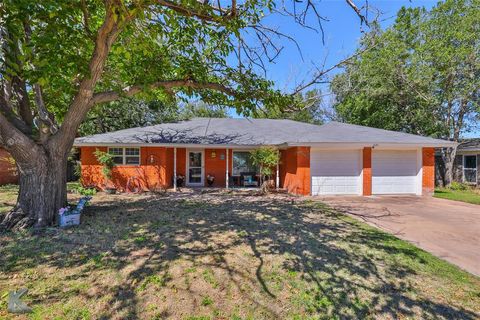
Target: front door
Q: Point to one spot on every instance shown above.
(195, 168)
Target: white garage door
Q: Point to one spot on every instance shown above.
(335, 171)
(394, 172)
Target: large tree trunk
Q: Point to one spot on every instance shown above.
(42, 192)
(448, 156)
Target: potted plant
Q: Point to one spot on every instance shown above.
(210, 180)
(106, 160)
(180, 180)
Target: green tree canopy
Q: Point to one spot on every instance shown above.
(421, 75)
(307, 107)
(130, 112)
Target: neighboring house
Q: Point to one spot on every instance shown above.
(334, 158)
(8, 170)
(466, 165)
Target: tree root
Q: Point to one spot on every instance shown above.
(17, 220)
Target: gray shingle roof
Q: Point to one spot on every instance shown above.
(250, 132)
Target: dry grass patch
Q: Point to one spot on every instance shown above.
(228, 256)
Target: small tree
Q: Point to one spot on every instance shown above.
(106, 160)
(266, 158)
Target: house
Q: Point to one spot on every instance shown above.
(331, 159)
(8, 170)
(466, 164)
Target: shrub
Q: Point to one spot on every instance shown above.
(86, 191)
(266, 158)
(457, 186)
(106, 160)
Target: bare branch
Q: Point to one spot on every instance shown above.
(317, 78)
(362, 17)
(109, 96)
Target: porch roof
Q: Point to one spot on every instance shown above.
(255, 132)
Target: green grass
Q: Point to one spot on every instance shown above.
(206, 301)
(227, 257)
(469, 196)
(8, 196)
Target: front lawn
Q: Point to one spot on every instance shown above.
(226, 255)
(8, 196)
(469, 195)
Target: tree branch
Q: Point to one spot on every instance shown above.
(109, 96)
(24, 106)
(86, 18)
(43, 114)
(14, 141)
(189, 12)
(320, 74)
(7, 109)
(106, 36)
(362, 17)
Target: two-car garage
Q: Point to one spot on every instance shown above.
(340, 172)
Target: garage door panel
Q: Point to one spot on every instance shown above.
(394, 172)
(335, 172)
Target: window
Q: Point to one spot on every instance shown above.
(118, 155)
(130, 156)
(470, 168)
(242, 163)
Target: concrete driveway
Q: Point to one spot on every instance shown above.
(448, 229)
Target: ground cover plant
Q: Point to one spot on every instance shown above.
(468, 195)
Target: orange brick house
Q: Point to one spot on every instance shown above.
(330, 159)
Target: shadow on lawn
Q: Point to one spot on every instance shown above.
(144, 238)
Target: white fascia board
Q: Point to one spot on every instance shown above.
(379, 145)
(167, 145)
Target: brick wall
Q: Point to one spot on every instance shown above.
(152, 172)
(428, 171)
(295, 170)
(367, 171)
(8, 171)
(215, 164)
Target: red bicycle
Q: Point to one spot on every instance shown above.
(133, 185)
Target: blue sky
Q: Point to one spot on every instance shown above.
(342, 32)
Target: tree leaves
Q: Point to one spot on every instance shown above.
(422, 75)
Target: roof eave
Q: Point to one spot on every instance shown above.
(441, 144)
(170, 145)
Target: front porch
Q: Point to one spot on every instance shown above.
(218, 168)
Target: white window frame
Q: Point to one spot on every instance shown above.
(239, 150)
(125, 156)
(463, 167)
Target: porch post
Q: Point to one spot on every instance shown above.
(277, 178)
(226, 171)
(174, 169)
